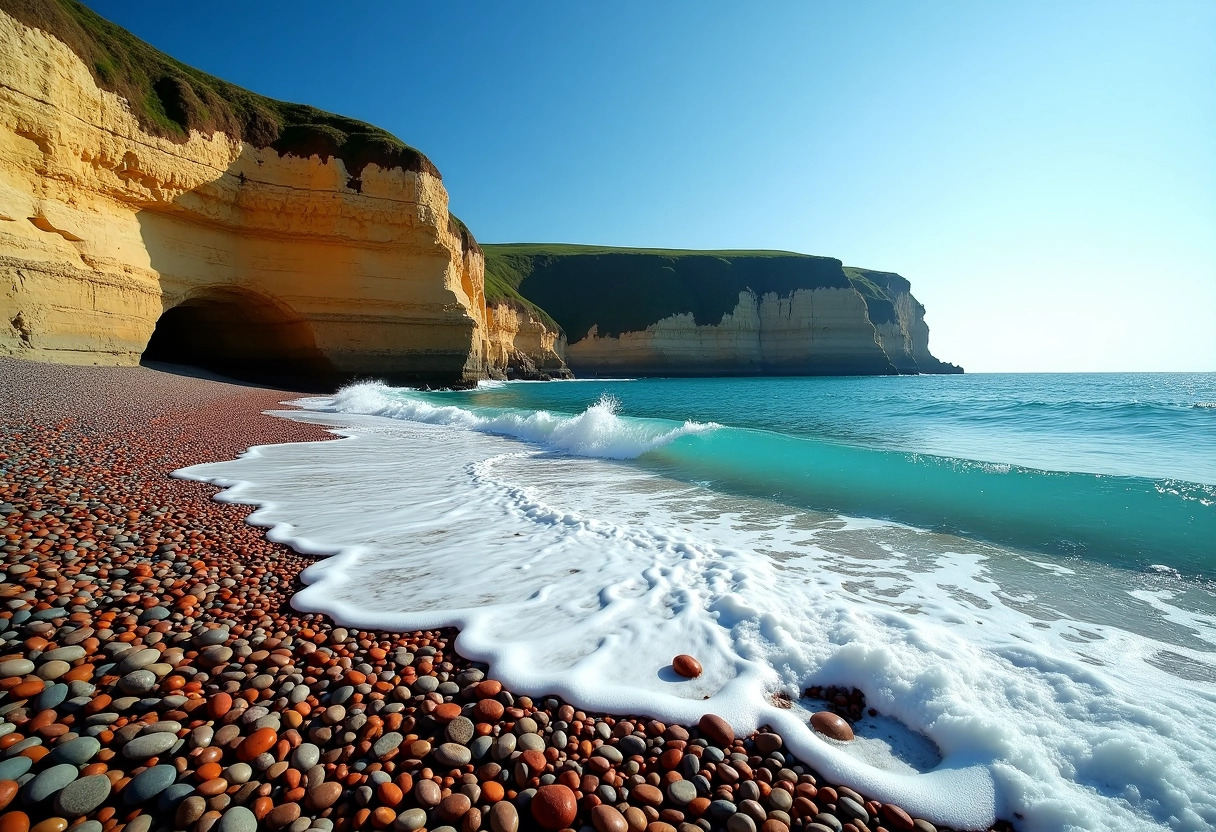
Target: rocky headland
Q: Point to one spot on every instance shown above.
(665, 312)
(148, 210)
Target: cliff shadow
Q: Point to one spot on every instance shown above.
(243, 335)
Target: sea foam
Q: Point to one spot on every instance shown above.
(581, 577)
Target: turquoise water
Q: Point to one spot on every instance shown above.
(1118, 468)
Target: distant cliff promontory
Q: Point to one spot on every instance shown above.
(672, 312)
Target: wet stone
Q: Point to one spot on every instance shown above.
(149, 745)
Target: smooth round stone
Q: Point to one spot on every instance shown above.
(739, 822)
(780, 799)
(425, 684)
(326, 794)
(238, 773)
(14, 767)
(149, 783)
(830, 821)
(768, 743)
(831, 725)
(306, 756)
(83, 796)
(850, 809)
(480, 747)
(216, 653)
(452, 755)
(67, 654)
(460, 730)
(630, 746)
(607, 818)
(554, 807)
(16, 667)
(237, 819)
(168, 799)
(530, 742)
(427, 793)
(527, 725)
(722, 809)
(610, 753)
(153, 614)
(138, 682)
(53, 670)
(207, 638)
(78, 752)
(48, 782)
(149, 745)
(387, 743)
(718, 731)
(686, 666)
(137, 660)
(88, 826)
(504, 817)
(52, 696)
(681, 792)
(503, 747)
(410, 819)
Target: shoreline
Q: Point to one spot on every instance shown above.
(339, 731)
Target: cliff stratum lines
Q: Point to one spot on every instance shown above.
(152, 212)
(148, 210)
(669, 312)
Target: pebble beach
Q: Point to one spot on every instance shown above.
(154, 675)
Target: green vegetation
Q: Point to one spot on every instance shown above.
(879, 290)
(626, 290)
(170, 99)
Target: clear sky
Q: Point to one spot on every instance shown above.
(1043, 172)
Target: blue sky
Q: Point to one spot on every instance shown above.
(1043, 172)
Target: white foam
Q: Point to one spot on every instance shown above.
(598, 431)
(582, 577)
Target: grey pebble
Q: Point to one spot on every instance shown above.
(48, 782)
(83, 796)
(78, 752)
(150, 745)
(148, 784)
(452, 755)
(16, 667)
(237, 819)
(387, 743)
(137, 682)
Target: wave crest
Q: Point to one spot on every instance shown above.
(599, 431)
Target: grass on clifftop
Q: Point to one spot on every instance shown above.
(170, 98)
(626, 290)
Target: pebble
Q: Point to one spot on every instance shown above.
(831, 725)
(83, 796)
(16, 667)
(717, 730)
(148, 784)
(451, 755)
(686, 666)
(48, 782)
(78, 752)
(554, 807)
(148, 745)
(237, 819)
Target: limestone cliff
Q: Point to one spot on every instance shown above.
(523, 345)
(275, 237)
(671, 312)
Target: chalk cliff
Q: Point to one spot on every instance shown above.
(260, 235)
(672, 312)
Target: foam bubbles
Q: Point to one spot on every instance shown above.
(1008, 688)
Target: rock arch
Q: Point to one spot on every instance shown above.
(239, 333)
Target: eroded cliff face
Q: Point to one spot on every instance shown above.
(809, 331)
(520, 345)
(252, 257)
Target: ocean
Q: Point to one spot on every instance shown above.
(1019, 571)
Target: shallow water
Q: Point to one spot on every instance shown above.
(1029, 607)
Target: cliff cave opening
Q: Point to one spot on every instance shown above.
(242, 335)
